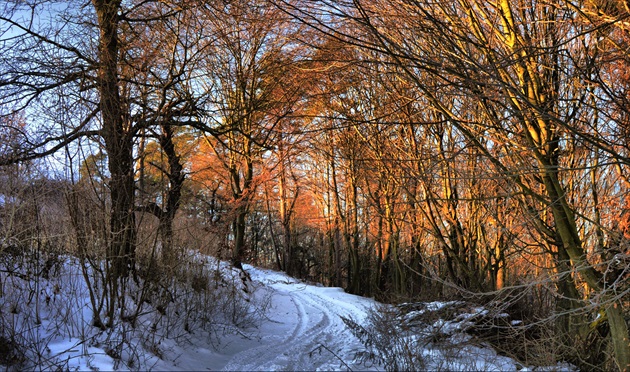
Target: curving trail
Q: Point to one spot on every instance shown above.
(304, 330)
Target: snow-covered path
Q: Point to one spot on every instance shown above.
(304, 330)
(301, 330)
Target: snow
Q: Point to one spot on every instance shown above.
(301, 329)
(304, 330)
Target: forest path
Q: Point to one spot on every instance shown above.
(304, 329)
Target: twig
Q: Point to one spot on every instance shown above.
(322, 346)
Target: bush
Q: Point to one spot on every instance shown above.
(387, 342)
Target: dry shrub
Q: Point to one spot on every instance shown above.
(199, 294)
(386, 343)
(531, 330)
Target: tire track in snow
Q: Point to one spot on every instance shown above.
(312, 321)
(271, 350)
(338, 338)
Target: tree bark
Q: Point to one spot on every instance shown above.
(118, 142)
(119, 147)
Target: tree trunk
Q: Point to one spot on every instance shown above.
(176, 179)
(119, 147)
(285, 218)
(117, 141)
(238, 228)
(567, 230)
(352, 239)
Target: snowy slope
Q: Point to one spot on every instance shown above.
(301, 329)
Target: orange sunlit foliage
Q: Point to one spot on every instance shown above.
(307, 213)
(206, 169)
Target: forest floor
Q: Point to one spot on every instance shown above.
(297, 326)
(302, 331)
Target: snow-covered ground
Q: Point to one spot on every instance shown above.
(301, 329)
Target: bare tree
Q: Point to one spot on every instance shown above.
(51, 72)
(504, 73)
(248, 62)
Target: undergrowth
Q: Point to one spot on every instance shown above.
(47, 319)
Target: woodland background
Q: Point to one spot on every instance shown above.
(404, 150)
